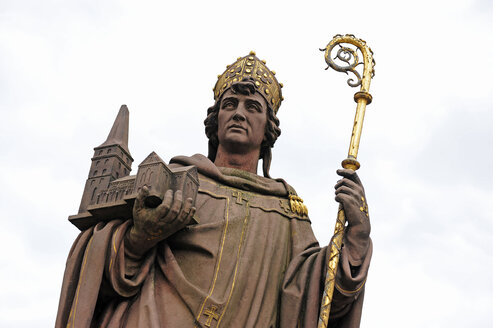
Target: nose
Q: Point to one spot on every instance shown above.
(239, 114)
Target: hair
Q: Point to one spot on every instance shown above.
(272, 131)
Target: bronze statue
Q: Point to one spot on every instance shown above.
(218, 245)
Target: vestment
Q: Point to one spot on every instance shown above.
(249, 262)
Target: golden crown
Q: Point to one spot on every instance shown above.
(251, 67)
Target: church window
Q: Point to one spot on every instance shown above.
(100, 152)
(106, 161)
(150, 177)
(104, 171)
(119, 165)
(117, 175)
(97, 163)
(108, 151)
(95, 173)
(93, 193)
(116, 196)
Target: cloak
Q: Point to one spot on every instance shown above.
(248, 262)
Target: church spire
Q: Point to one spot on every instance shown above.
(119, 132)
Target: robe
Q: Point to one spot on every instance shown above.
(249, 262)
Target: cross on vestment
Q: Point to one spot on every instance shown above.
(284, 206)
(211, 313)
(240, 197)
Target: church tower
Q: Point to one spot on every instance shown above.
(111, 161)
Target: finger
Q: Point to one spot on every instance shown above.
(175, 208)
(347, 191)
(344, 199)
(350, 174)
(164, 207)
(190, 215)
(139, 201)
(185, 210)
(348, 183)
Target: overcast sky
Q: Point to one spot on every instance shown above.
(67, 66)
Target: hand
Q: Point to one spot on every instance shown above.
(151, 225)
(351, 194)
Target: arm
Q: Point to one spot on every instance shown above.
(152, 225)
(132, 248)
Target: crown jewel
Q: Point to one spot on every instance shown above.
(251, 67)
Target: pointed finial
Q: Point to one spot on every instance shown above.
(252, 53)
(264, 61)
(119, 132)
(282, 85)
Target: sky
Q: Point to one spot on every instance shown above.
(66, 67)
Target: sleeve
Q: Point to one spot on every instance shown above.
(97, 267)
(125, 272)
(84, 275)
(304, 279)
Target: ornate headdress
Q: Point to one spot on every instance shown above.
(251, 67)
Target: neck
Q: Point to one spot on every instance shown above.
(242, 161)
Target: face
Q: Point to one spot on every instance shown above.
(241, 121)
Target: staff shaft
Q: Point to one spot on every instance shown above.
(362, 98)
(336, 242)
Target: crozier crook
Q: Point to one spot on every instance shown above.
(362, 98)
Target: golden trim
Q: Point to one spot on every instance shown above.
(114, 247)
(220, 251)
(73, 311)
(258, 195)
(243, 230)
(114, 242)
(286, 215)
(351, 291)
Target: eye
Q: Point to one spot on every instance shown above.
(254, 106)
(228, 104)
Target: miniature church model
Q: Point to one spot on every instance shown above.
(110, 190)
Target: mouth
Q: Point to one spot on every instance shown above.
(237, 126)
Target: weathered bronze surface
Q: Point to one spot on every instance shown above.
(205, 241)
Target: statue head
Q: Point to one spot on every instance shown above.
(247, 76)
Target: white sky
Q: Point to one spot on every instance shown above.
(67, 66)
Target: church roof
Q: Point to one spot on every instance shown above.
(152, 158)
(119, 132)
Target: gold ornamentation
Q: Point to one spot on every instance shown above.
(362, 98)
(364, 208)
(251, 66)
(240, 197)
(211, 314)
(297, 205)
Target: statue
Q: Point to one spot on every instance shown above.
(205, 241)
